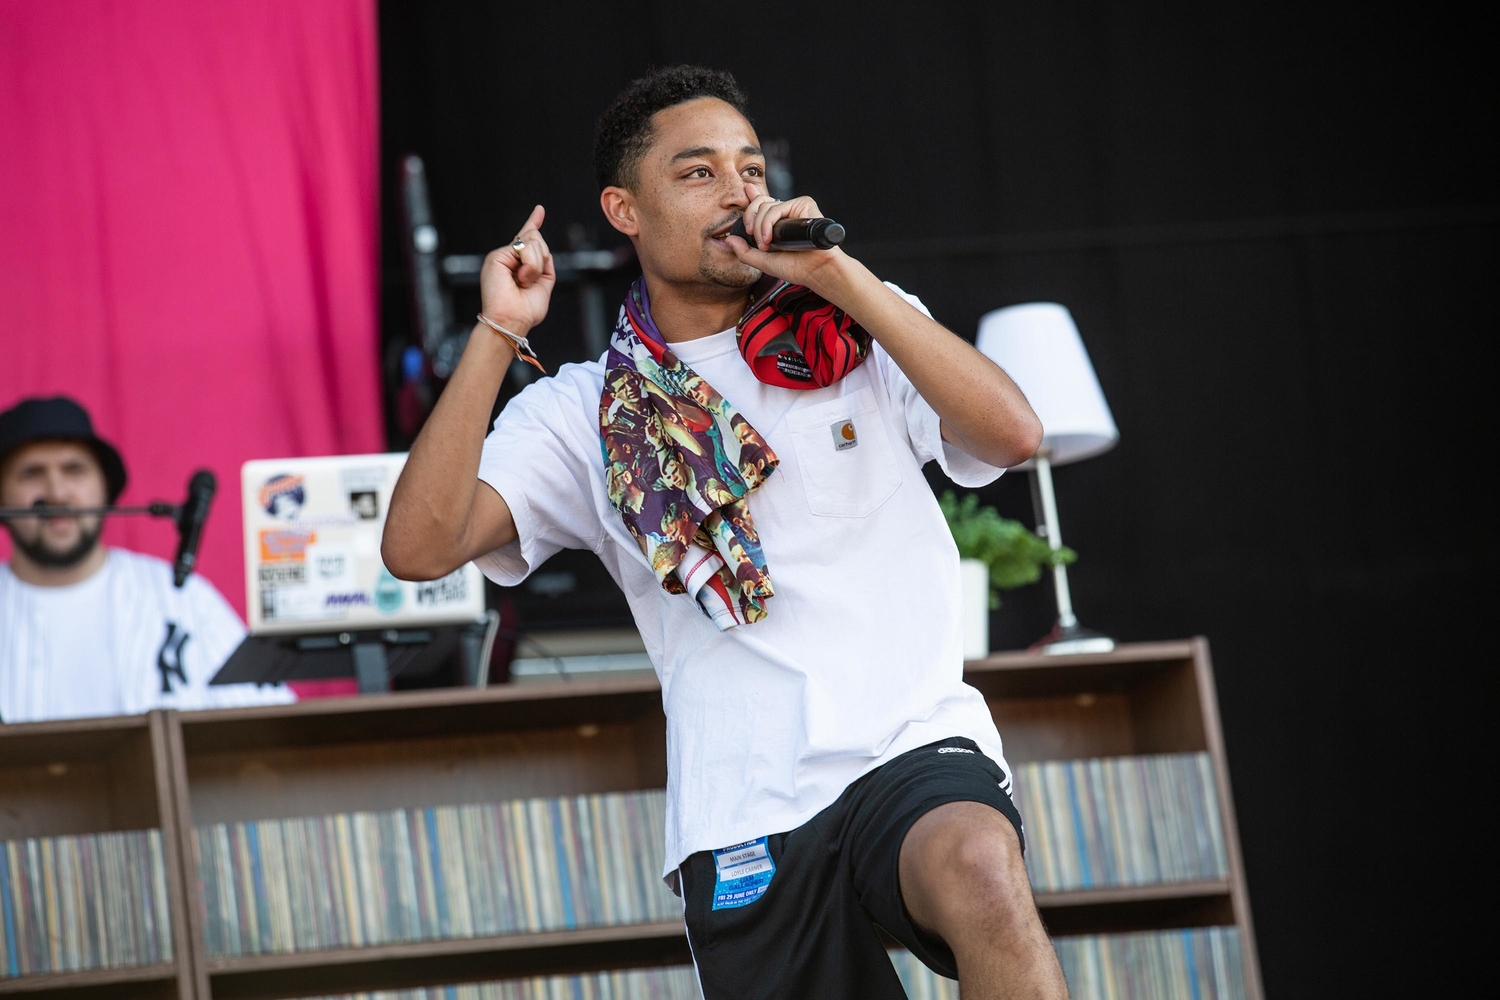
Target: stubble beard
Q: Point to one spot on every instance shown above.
(39, 552)
(731, 274)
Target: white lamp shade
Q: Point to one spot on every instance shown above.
(1038, 345)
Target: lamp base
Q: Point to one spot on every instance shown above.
(1066, 639)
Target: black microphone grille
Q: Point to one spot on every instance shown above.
(203, 483)
(829, 233)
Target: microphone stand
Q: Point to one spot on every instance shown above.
(156, 508)
(189, 515)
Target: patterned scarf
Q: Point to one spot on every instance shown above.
(680, 460)
(793, 338)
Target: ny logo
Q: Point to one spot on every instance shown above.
(169, 659)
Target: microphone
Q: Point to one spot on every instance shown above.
(797, 234)
(194, 512)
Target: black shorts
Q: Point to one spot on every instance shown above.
(812, 930)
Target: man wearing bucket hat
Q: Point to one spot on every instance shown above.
(90, 630)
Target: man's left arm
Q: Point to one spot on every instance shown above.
(982, 410)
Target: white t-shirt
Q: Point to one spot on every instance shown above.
(860, 656)
(122, 642)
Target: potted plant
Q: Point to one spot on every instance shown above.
(995, 553)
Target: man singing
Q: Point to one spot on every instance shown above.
(746, 461)
(87, 630)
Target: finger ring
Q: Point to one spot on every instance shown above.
(517, 246)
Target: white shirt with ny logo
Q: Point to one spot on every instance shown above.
(122, 642)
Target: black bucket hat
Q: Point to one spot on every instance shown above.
(59, 419)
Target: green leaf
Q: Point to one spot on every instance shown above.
(1014, 553)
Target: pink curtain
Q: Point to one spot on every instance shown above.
(188, 237)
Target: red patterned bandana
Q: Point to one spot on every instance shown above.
(793, 338)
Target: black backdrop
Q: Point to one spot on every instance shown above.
(1276, 228)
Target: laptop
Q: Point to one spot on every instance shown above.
(312, 551)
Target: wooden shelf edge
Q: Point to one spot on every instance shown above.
(450, 961)
(1125, 652)
(1126, 894)
(67, 727)
(60, 982)
(437, 698)
(623, 933)
(68, 741)
(1131, 652)
(446, 947)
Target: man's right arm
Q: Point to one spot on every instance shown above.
(442, 515)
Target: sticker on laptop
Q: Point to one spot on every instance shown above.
(439, 593)
(742, 873)
(282, 496)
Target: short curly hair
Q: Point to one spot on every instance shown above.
(624, 131)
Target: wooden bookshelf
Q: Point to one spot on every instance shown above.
(438, 748)
(429, 748)
(415, 750)
(128, 981)
(1142, 698)
(97, 776)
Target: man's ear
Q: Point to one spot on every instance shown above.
(619, 208)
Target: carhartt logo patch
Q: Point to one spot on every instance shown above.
(953, 750)
(844, 435)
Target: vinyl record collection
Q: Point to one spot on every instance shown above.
(1199, 964)
(676, 983)
(448, 872)
(366, 878)
(920, 982)
(83, 902)
(1120, 821)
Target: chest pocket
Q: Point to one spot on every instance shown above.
(844, 454)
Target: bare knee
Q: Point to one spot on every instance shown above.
(961, 868)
